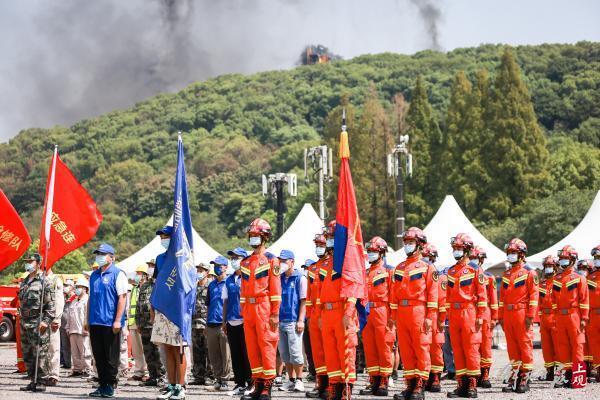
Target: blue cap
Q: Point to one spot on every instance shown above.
(269, 255)
(105, 248)
(238, 251)
(220, 260)
(286, 255)
(309, 262)
(166, 230)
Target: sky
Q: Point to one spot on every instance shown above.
(62, 61)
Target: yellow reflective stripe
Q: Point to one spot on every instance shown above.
(505, 280)
(573, 282)
(432, 304)
(533, 303)
(460, 371)
(554, 306)
(269, 372)
(323, 271)
(334, 374)
(373, 369)
(424, 374)
(473, 372)
(482, 304)
(275, 298)
(557, 283)
(494, 306)
(584, 306)
(311, 275)
(519, 279)
(451, 279)
(527, 366)
(409, 372)
(386, 370)
(351, 299)
(501, 304)
(321, 369)
(318, 301)
(466, 277)
(393, 306)
(257, 370)
(437, 368)
(443, 309)
(308, 303)
(261, 269)
(242, 299)
(379, 276)
(245, 270)
(543, 291)
(592, 283)
(417, 271)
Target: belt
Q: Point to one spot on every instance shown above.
(375, 304)
(567, 311)
(518, 306)
(406, 303)
(30, 313)
(459, 306)
(254, 300)
(333, 306)
(547, 311)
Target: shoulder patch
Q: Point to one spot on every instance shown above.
(495, 283)
(536, 280)
(444, 285)
(435, 276)
(276, 269)
(481, 279)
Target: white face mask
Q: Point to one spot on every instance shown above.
(426, 259)
(254, 241)
(548, 271)
(101, 260)
(507, 265)
(67, 289)
(78, 291)
(458, 254)
(150, 272)
(597, 263)
(564, 262)
(235, 264)
(512, 258)
(283, 267)
(165, 243)
(29, 268)
(320, 251)
(201, 276)
(409, 249)
(330, 243)
(373, 257)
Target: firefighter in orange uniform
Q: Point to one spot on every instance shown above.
(377, 352)
(490, 317)
(339, 323)
(547, 320)
(518, 304)
(594, 326)
(430, 255)
(414, 301)
(571, 304)
(313, 315)
(260, 298)
(466, 303)
(584, 267)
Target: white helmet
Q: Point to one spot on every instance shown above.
(82, 282)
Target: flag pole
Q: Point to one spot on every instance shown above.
(47, 220)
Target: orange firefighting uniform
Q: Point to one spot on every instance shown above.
(465, 301)
(374, 335)
(339, 345)
(313, 313)
(548, 324)
(519, 300)
(490, 314)
(260, 298)
(414, 298)
(593, 329)
(571, 304)
(438, 338)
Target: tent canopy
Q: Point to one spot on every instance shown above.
(584, 237)
(299, 236)
(202, 252)
(446, 223)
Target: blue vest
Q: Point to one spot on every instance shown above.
(215, 302)
(234, 312)
(103, 298)
(290, 297)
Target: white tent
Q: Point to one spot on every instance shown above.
(584, 237)
(446, 223)
(299, 236)
(202, 252)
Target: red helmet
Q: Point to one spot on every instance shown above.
(416, 234)
(320, 240)
(596, 251)
(516, 245)
(329, 229)
(462, 241)
(568, 252)
(478, 253)
(377, 244)
(429, 250)
(581, 264)
(259, 227)
(550, 261)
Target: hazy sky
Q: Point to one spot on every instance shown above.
(61, 61)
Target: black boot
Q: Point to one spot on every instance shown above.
(418, 392)
(372, 386)
(382, 388)
(255, 393)
(484, 379)
(549, 375)
(510, 385)
(523, 383)
(436, 386)
(320, 388)
(429, 382)
(345, 391)
(265, 393)
(405, 394)
(471, 392)
(461, 388)
(27, 388)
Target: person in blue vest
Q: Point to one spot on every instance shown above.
(106, 317)
(291, 320)
(218, 351)
(233, 324)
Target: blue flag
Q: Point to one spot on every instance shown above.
(174, 292)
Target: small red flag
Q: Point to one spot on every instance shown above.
(14, 239)
(70, 217)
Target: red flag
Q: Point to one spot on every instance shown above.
(348, 252)
(70, 217)
(14, 239)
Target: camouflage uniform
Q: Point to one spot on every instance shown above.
(30, 300)
(156, 369)
(201, 369)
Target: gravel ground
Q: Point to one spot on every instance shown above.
(72, 388)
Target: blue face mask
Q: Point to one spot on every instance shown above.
(330, 243)
(78, 291)
(458, 254)
(373, 257)
(564, 262)
(29, 268)
(218, 270)
(320, 251)
(409, 249)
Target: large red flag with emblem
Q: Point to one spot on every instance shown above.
(14, 239)
(70, 217)
(348, 251)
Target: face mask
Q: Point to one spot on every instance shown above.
(330, 242)
(78, 291)
(548, 271)
(597, 263)
(507, 265)
(201, 276)
(512, 258)
(235, 264)
(150, 272)
(165, 243)
(409, 249)
(101, 260)
(254, 241)
(564, 262)
(218, 270)
(320, 251)
(458, 254)
(582, 272)
(137, 279)
(283, 267)
(67, 289)
(373, 257)
(29, 268)
(426, 259)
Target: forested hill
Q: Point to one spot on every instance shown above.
(514, 134)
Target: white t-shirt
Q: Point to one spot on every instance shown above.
(121, 283)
